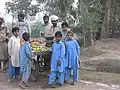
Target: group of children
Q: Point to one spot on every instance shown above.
(65, 57)
(20, 57)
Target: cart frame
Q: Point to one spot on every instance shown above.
(40, 64)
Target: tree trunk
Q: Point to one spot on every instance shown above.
(106, 21)
(88, 38)
(113, 15)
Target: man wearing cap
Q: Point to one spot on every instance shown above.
(3, 43)
(55, 27)
(50, 30)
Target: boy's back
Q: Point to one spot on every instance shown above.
(26, 56)
(25, 53)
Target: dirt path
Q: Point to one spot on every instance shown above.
(83, 85)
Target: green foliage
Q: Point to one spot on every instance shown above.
(17, 6)
(90, 16)
(58, 7)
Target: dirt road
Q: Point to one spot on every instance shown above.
(40, 85)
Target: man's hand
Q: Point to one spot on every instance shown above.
(59, 63)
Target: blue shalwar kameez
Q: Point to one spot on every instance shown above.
(72, 59)
(13, 71)
(58, 54)
(25, 61)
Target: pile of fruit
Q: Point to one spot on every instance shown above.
(36, 45)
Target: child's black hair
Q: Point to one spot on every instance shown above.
(15, 29)
(46, 16)
(21, 15)
(70, 32)
(26, 36)
(65, 23)
(58, 33)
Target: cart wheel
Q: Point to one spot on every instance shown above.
(35, 71)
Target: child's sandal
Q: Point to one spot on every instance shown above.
(22, 85)
(73, 83)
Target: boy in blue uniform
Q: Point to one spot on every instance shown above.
(57, 61)
(26, 57)
(72, 58)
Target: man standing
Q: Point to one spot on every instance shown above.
(3, 43)
(55, 27)
(47, 26)
(47, 35)
(50, 30)
(23, 26)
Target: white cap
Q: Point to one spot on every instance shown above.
(54, 17)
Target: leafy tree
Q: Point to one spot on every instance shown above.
(58, 7)
(89, 19)
(25, 6)
(21, 6)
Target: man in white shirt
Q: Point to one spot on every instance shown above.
(46, 27)
(23, 26)
(55, 27)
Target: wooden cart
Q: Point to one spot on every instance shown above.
(41, 63)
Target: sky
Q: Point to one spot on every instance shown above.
(2, 6)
